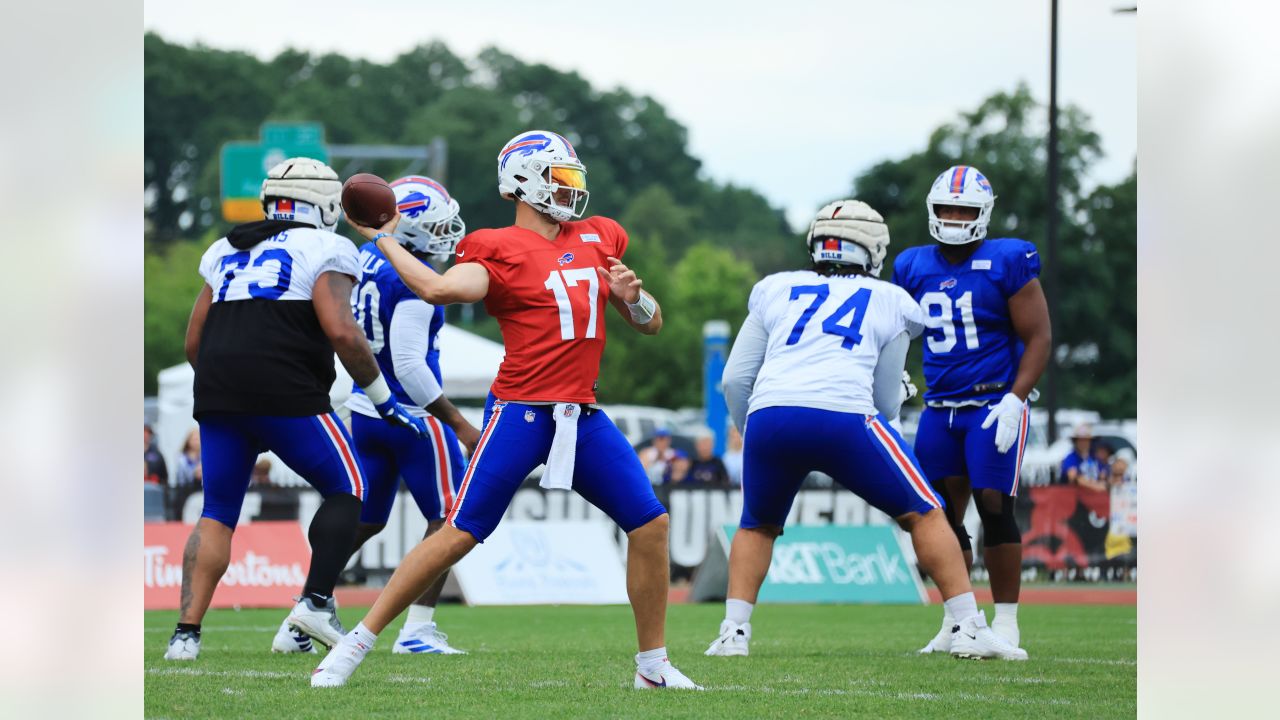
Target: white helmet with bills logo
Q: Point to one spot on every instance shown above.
(849, 232)
(305, 182)
(961, 186)
(429, 218)
(542, 169)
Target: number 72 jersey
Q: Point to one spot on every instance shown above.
(971, 351)
(825, 336)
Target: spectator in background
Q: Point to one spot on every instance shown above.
(732, 457)
(1105, 456)
(677, 468)
(189, 473)
(156, 471)
(261, 475)
(656, 458)
(1079, 467)
(706, 468)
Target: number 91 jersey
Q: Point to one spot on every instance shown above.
(549, 302)
(971, 351)
(825, 335)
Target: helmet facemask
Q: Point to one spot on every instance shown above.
(438, 239)
(959, 232)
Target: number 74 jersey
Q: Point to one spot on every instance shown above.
(825, 336)
(971, 351)
(550, 304)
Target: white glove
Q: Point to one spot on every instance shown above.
(1008, 415)
(909, 389)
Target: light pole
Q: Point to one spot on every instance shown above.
(1051, 223)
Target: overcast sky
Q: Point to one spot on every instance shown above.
(790, 98)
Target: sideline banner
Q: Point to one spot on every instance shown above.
(536, 563)
(268, 567)
(838, 564)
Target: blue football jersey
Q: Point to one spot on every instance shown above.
(374, 298)
(971, 352)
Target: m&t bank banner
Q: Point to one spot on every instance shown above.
(838, 564)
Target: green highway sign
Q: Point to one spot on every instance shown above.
(245, 164)
(292, 134)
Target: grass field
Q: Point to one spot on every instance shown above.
(570, 662)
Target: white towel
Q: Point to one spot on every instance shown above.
(564, 447)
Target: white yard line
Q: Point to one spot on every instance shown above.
(198, 672)
(883, 694)
(221, 628)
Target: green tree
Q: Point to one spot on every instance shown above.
(171, 281)
(1097, 305)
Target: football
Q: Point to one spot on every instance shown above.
(368, 200)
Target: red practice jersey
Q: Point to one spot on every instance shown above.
(550, 303)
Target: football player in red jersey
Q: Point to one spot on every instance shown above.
(545, 279)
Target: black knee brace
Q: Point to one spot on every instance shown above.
(999, 527)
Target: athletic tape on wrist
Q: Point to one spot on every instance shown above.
(643, 309)
(378, 391)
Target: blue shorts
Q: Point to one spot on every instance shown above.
(517, 438)
(782, 445)
(317, 447)
(951, 443)
(432, 467)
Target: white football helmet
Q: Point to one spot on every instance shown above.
(964, 186)
(429, 218)
(309, 181)
(849, 232)
(541, 169)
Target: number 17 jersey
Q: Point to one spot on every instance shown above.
(550, 304)
(825, 336)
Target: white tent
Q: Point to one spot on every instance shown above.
(468, 362)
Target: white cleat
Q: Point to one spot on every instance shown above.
(290, 641)
(1007, 629)
(941, 643)
(319, 622)
(423, 638)
(733, 640)
(973, 639)
(184, 645)
(666, 676)
(336, 667)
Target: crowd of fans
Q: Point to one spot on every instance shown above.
(669, 465)
(1092, 463)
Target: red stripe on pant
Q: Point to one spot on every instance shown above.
(904, 463)
(442, 463)
(475, 459)
(348, 458)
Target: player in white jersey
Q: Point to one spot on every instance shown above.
(814, 380)
(262, 336)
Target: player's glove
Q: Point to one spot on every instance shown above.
(1007, 414)
(909, 389)
(394, 413)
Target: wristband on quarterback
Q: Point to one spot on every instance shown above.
(643, 310)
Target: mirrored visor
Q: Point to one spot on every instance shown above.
(568, 177)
